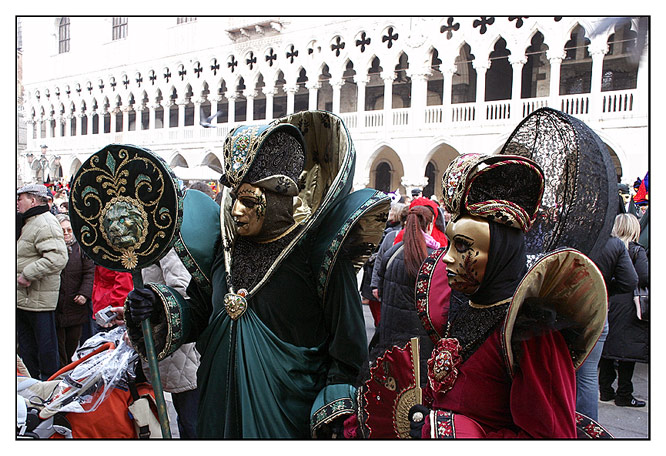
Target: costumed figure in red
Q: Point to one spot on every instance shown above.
(512, 314)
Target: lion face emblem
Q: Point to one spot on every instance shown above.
(124, 225)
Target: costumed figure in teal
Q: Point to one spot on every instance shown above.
(273, 302)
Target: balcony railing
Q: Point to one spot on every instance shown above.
(609, 105)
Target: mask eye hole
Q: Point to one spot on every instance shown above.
(462, 245)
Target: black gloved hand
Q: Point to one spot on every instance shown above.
(417, 416)
(141, 304)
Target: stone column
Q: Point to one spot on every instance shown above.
(596, 97)
(361, 82)
(641, 101)
(481, 68)
(555, 58)
(126, 112)
(388, 77)
(181, 113)
(249, 95)
(197, 111)
(447, 90)
(214, 107)
(152, 116)
(419, 96)
(336, 85)
(313, 88)
(231, 96)
(79, 123)
(270, 92)
(113, 125)
(291, 92)
(517, 63)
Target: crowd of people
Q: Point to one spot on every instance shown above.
(265, 336)
(60, 290)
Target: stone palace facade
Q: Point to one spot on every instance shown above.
(414, 91)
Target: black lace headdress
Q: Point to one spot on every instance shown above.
(580, 198)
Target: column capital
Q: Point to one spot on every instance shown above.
(479, 64)
(449, 69)
(411, 182)
(361, 79)
(421, 74)
(314, 85)
(598, 50)
(387, 76)
(290, 88)
(231, 95)
(269, 90)
(556, 54)
(249, 93)
(336, 82)
(516, 60)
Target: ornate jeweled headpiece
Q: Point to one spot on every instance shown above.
(270, 156)
(503, 189)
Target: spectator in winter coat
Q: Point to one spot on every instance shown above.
(76, 283)
(628, 337)
(40, 256)
(397, 273)
(615, 265)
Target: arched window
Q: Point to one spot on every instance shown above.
(280, 98)
(576, 72)
(499, 76)
(348, 92)
(463, 84)
(260, 99)
(383, 177)
(435, 81)
(240, 107)
(620, 69)
(374, 90)
(536, 69)
(302, 95)
(63, 35)
(402, 84)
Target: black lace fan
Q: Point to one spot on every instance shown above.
(580, 196)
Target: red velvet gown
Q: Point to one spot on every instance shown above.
(539, 401)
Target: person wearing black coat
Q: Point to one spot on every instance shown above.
(76, 283)
(615, 265)
(628, 337)
(399, 321)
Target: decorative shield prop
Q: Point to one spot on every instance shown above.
(126, 209)
(393, 388)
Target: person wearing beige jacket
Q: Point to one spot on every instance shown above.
(41, 254)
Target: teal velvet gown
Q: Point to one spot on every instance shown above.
(259, 375)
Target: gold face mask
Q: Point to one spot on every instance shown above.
(467, 255)
(249, 210)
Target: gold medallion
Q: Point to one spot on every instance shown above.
(235, 304)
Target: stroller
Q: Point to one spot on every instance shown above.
(103, 394)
